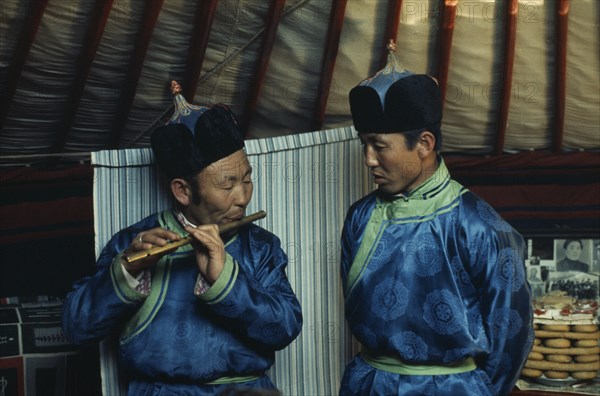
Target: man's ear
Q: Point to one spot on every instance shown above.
(426, 144)
(181, 191)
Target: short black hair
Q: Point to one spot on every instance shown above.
(412, 137)
(195, 187)
(568, 242)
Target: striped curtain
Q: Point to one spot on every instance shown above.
(305, 183)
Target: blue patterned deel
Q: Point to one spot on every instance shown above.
(434, 279)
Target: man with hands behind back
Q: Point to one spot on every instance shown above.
(434, 279)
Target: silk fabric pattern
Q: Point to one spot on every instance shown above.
(174, 341)
(433, 278)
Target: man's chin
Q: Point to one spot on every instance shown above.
(387, 190)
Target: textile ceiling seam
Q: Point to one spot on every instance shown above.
(272, 23)
(562, 20)
(447, 22)
(148, 22)
(205, 16)
(166, 114)
(338, 9)
(507, 72)
(235, 53)
(97, 25)
(30, 28)
(391, 28)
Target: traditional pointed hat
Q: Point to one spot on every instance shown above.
(195, 137)
(395, 100)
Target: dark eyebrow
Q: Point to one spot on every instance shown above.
(374, 140)
(371, 138)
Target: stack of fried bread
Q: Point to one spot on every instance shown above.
(566, 342)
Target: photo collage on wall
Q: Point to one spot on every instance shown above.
(571, 265)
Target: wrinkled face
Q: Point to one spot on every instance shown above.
(573, 250)
(225, 189)
(395, 168)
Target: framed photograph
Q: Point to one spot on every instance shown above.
(565, 263)
(595, 268)
(573, 254)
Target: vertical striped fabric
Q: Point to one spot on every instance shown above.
(305, 183)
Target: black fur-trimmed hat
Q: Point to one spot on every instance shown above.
(396, 100)
(195, 137)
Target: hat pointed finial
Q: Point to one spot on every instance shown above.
(175, 88)
(392, 65)
(185, 113)
(391, 46)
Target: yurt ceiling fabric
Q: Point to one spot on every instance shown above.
(78, 76)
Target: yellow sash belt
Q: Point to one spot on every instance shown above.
(394, 365)
(233, 380)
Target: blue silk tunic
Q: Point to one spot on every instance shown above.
(175, 342)
(433, 278)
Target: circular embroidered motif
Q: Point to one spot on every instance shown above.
(498, 319)
(456, 354)
(411, 346)
(390, 299)
(182, 331)
(511, 275)
(490, 216)
(423, 256)
(381, 254)
(442, 312)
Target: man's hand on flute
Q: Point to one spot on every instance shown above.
(143, 241)
(209, 249)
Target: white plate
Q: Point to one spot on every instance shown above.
(557, 382)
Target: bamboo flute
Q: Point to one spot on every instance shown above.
(223, 229)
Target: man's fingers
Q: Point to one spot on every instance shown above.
(207, 234)
(207, 238)
(155, 236)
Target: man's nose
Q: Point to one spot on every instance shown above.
(243, 195)
(370, 157)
